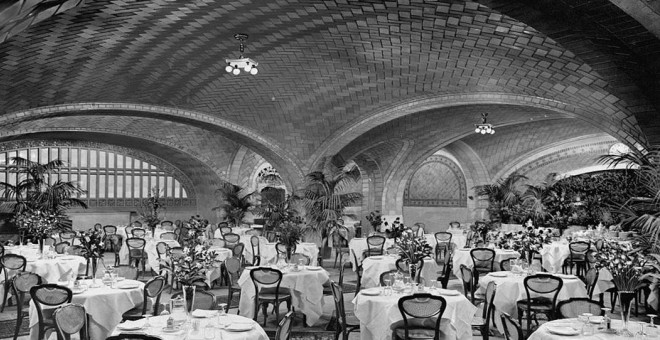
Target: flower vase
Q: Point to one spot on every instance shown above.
(41, 247)
(189, 297)
(626, 298)
(412, 269)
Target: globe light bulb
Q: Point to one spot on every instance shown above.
(483, 132)
(477, 130)
(229, 68)
(492, 132)
(254, 71)
(248, 67)
(236, 71)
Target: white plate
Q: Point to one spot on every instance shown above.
(239, 327)
(202, 313)
(563, 330)
(448, 292)
(119, 278)
(170, 330)
(314, 268)
(379, 257)
(499, 274)
(77, 291)
(371, 291)
(131, 325)
(128, 285)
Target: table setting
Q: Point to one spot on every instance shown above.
(462, 256)
(305, 282)
(269, 253)
(588, 326)
(375, 265)
(359, 246)
(104, 304)
(377, 308)
(50, 266)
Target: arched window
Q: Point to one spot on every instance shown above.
(109, 177)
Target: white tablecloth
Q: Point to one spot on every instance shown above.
(245, 239)
(104, 306)
(374, 266)
(462, 256)
(542, 332)
(159, 322)
(307, 290)
(240, 231)
(377, 313)
(359, 245)
(511, 289)
(269, 253)
(61, 268)
(554, 255)
(216, 271)
(458, 237)
(150, 249)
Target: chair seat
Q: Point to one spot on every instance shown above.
(536, 304)
(269, 293)
(137, 253)
(418, 328)
(352, 320)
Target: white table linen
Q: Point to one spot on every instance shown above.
(306, 287)
(377, 313)
(269, 253)
(542, 332)
(104, 306)
(247, 252)
(511, 289)
(216, 271)
(359, 245)
(462, 256)
(374, 266)
(458, 237)
(240, 231)
(554, 255)
(150, 249)
(157, 324)
(60, 268)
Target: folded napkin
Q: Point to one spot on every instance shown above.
(136, 324)
(202, 313)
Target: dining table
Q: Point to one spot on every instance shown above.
(203, 324)
(572, 328)
(269, 253)
(306, 286)
(59, 267)
(376, 311)
(104, 305)
(359, 246)
(511, 288)
(373, 266)
(462, 256)
(153, 261)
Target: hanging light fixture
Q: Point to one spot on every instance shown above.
(234, 66)
(484, 127)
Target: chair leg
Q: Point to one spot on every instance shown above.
(264, 309)
(7, 285)
(19, 321)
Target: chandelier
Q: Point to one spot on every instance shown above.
(234, 66)
(484, 127)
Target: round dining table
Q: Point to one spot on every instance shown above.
(59, 268)
(373, 266)
(359, 246)
(104, 306)
(462, 256)
(269, 253)
(560, 330)
(511, 288)
(377, 311)
(222, 327)
(306, 286)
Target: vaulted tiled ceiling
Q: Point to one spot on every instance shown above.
(334, 76)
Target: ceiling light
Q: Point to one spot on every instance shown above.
(235, 65)
(484, 127)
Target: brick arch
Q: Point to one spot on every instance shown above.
(343, 137)
(443, 184)
(288, 162)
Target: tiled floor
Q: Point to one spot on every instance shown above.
(328, 308)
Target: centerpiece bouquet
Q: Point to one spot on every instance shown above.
(412, 249)
(482, 229)
(39, 224)
(394, 230)
(375, 219)
(92, 244)
(196, 226)
(289, 233)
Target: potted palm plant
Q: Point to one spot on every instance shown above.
(504, 197)
(39, 201)
(234, 202)
(325, 195)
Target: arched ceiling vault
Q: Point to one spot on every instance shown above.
(334, 76)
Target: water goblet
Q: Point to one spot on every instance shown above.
(641, 335)
(652, 329)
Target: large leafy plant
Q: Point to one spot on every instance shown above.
(504, 198)
(235, 202)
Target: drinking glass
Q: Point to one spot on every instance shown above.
(652, 329)
(209, 331)
(641, 335)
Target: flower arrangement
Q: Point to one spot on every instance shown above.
(375, 219)
(196, 229)
(290, 232)
(192, 265)
(624, 264)
(394, 230)
(524, 241)
(150, 209)
(92, 243)
(412, 248)
(38, 223)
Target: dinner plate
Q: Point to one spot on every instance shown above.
(371, 291)
(448, 292)
(170, 330)
(128, 285)
(314, 268)
(499, 274)
(131, 325)
(563, 330)
(202, 313)
(379, 257)
(239, 327)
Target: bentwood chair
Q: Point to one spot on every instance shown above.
(375, 245)
(69, 320)
(268, 291)
(482, 323)
(340, 244)
(511, 328)
(455, 225)
(168, 236)
(445, 273)
(574, 307)
(167, 225)
(238, 249)
(421, 317)
(256, 250)
(577, 258)
(129, 230)
(505, 265)
(50, 295)
(346, 321)
(469, 285)
(483, 260)
(298, 257)
(280, 249)
(138, 232)
(284, 328)
(231, 240)
(136, 252)
(68, 235)
(388, 275)
(8, 264)
(133, 336)
(224, 229)
(110, 232)
(22, 283)
(203, 300)
(234, 269)
(358, 272)
(327, 290)
(418, 229)
(151, 293)
(442, 245)
(161, 250)
(60, 248)
(542, 291)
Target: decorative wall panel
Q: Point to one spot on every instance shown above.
(438, 182)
